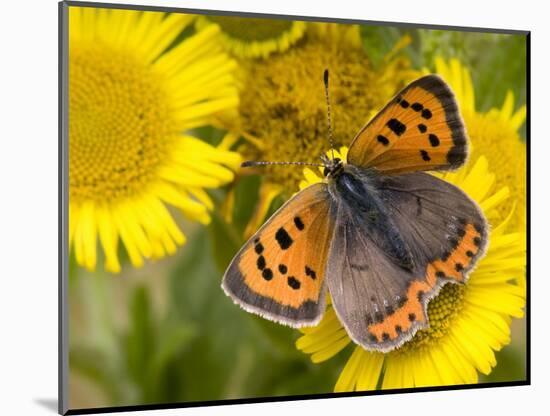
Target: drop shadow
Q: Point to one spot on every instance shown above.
(49, 404)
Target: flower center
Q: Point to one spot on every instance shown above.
(119, 123)
(442, 310)
(247, 29)
(284, 104)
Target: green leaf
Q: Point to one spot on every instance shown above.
(193, 278)
(209, 134)
(378, 41)
(73, 270)
(511, 366)
(173, 338)
(246, 198)
(140, 341)
(84, 360)
(225, 239)
(279, 339)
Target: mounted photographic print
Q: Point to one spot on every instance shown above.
(261, 208)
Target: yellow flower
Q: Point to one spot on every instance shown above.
(247, 37)
(467, 322)
(132, 97)
(495, 135)
(283, 113)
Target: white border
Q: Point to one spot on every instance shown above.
(28, 220)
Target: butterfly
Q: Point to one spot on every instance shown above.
(380, 234)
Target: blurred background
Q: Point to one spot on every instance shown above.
(166, 332)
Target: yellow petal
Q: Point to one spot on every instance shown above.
(126, 237)
(192, 49)
(164, 33)
(88, 234)
(194, 210)
(393, 373)
(481, 356)
(330, 350)
(108, 237)
(460, 363)
(73, 221)
(495, 199)
(348, 376)
(157, 209)
(508, 105)
(268, 192)
(519, 117)
(369, 372)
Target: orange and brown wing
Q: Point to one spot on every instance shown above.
(381, 304)
(279, 273)
(419, 129)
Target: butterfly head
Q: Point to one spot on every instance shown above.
(332, 167)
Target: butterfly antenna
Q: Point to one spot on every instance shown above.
(251, 163)
(325, 77)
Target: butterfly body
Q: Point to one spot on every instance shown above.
(378, 234)
(357, 189)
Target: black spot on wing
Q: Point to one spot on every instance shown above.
(298, 223)
(283, 238)
(359, 267)
(282, 268)
(267, 274)
(418, 206)
(234, 283)
(396, 126)
(311, 273)
(425, 156)
(383, 139)
(434, 140)
(293, 283)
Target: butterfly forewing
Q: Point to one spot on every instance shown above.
(279, 273)
(419, 129)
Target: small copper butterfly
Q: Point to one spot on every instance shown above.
(379, 234)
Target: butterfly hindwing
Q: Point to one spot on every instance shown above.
(365, 285)
(380, 303)
(279, 273)
(419, 129)
(440, 224)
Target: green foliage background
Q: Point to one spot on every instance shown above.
(167, 332)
